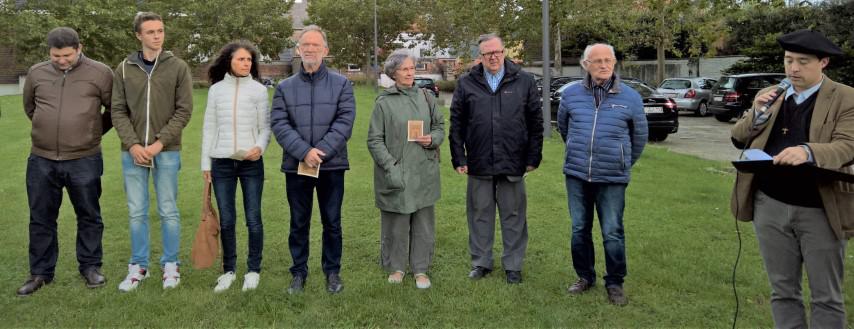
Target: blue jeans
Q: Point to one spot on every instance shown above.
(45, 180)
(330, 195)
(225, 174)
(609, 201)
(165, 172)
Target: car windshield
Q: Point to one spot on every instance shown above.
(643, 90)
(422, 82)
(675, 84)
(726, 83)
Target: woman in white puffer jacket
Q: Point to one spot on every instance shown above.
(235, 134)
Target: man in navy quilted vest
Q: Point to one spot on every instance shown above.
(604, 126)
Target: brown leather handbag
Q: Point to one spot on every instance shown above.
(206, 244)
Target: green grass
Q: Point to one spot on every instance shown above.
(681, 244)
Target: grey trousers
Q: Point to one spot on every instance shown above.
(508, 192)
(792, 237)
(407, 238)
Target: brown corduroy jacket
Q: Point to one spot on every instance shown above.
(831, 140)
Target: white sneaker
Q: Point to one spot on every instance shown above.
(171, 277)
(224, 282)
(250, 281)
(135, 275)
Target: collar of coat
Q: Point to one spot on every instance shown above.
(313, 76)
(133, 57)
(615, 85)
(511, 70)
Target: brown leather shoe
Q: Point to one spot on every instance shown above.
(93, 277)
(616, 296)
(35, 282)
(580, 286)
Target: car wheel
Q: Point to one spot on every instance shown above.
(723, 117)
(657, 137)
(702, 110)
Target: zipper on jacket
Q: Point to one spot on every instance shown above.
(234, 113)
(148, 97)
(311, 112)
(59, 112)
(592, 138)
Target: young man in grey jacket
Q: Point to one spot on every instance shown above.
(63, 99)
(152, 103)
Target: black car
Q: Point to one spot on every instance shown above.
(733, 94)
(661, 114)
(428, 84)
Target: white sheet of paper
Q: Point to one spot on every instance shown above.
(756, 154)
(239, 155)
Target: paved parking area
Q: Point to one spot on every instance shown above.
(703, 137)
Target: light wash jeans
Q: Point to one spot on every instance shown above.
(165, 172)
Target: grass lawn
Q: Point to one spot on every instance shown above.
(681, 245)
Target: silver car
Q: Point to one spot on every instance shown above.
(690, 94)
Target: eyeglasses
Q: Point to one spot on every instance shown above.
(495, 54)
(606, 61)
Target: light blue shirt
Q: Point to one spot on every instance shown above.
(494, 79)
(800, 98)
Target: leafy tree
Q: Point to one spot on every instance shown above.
(350, 27)
(195, 29)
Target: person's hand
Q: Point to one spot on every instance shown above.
(206, 175)
(792, 156)
(764, 98)
(253, 154)
(424, 141)
(139, 154)
(154, 148)
(463, 169)
(530, 168)
(313, 158)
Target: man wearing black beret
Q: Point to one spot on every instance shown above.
(801, 222)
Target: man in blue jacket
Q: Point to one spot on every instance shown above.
(496, 137)
(603, 123)
(312, 119)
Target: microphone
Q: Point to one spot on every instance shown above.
(781, 89)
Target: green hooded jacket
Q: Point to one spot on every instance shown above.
(406, 175)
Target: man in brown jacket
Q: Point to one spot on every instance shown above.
(63, 99)
(152, 103)
(801, 222)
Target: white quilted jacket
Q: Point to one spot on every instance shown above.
(237, 117)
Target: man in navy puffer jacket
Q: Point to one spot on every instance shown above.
(604, 126)
(312, 119)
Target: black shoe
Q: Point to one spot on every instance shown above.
(616, 296)
(93, 277)
(297, 285)
(580, 286)
(35, 282)
(333, 283)
(514, 277)
(478, 272)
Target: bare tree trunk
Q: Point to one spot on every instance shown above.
(558, 54)
(659, 71)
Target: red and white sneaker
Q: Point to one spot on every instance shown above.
(171, 277)
(135, 275)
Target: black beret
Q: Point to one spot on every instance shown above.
(809, 42)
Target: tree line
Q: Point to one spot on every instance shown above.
(638, 29)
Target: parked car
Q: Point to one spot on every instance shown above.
(733, 94)
(691, 94)
(661, 113)
(427, 83)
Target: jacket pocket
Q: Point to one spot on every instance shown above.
(622, 156)
(394, 177)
